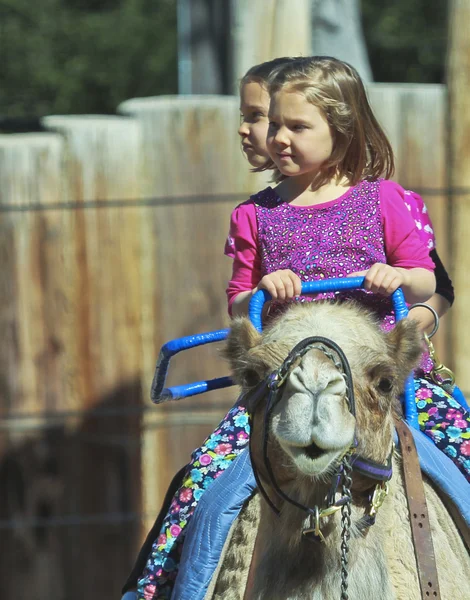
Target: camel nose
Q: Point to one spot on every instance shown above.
(314, 406)
(318, 380)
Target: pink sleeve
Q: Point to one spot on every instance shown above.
(403, 245)
(242, 246)
(419, 212)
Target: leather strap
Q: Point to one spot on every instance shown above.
(419, 518)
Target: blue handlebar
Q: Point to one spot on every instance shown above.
(340, 284)
(160, 394)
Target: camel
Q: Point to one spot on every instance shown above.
(310, 429)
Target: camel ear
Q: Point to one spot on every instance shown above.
(247, 357)
(242, 338)
(405, 344)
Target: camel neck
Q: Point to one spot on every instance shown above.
(294, 566)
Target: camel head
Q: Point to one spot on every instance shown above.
(312, 425)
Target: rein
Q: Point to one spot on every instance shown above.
(419, 516)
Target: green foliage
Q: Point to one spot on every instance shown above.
(84, 56)
(406, 39)
(87, 56)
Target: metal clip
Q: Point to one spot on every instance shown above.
(327, 512)
(378, 498)
(316, 528)
(440, 374)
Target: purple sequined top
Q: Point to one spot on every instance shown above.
(328, 240)
(369, 223)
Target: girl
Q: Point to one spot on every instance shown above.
(254, 105)
(331, 215)
(157, 564)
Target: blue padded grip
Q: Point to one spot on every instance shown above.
(176, 392)
(339, 284)
(159, 393)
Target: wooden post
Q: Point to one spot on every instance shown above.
(192, 161)
(70, 315)
(413, 116)
(266, 29)
(459, 90)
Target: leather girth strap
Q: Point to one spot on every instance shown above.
(419, 518)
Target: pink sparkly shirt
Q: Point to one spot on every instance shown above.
(374, 221)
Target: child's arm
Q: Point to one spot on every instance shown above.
(418, 284)
(407, 254)
(443, 297)
(441, 301)
(242, 247)
(240, 304)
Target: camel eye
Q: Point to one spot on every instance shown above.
(385, 385)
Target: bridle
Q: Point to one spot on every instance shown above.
(349, 461)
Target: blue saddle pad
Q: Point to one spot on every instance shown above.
(443, 472)
(209, 526)
(223, 500)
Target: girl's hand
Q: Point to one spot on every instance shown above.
(382, 279)
(282, 285)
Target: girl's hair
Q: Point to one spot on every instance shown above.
(264, 72)
(361, 149)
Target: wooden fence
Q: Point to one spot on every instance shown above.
(111, 243)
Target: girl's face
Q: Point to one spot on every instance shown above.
(299, 138)
(254, 105)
